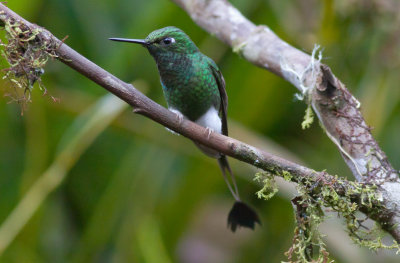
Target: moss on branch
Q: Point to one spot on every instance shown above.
(318, 194)
(26, 53)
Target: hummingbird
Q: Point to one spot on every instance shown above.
(194, 88)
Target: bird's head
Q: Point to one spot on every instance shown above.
(165, 40)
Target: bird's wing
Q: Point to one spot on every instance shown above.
(222, 93)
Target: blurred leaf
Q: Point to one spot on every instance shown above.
(80, 135)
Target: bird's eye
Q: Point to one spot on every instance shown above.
(168, 40)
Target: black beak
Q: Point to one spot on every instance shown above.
(137, 41)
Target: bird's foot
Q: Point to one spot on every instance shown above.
(208, 132)
(179, 119)
(178, 115)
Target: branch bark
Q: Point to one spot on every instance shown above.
(389, 214)
(337, 110)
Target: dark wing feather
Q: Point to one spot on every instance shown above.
(223, 110)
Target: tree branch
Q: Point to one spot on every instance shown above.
(387, 216)
(145, 106)
(337, 110)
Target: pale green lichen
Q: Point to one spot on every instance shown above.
(269, 188)
(27, 53)
(374, 240)
(238, 48)
(308, 118)
(316, 193)
(287, 176)
(307, 238)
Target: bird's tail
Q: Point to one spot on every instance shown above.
(241, 214)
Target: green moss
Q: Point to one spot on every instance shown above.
(308, 244)
(308, 118)
(238, 49)
(27, 53)
(338, 194)
(269, 185)
(287, 176)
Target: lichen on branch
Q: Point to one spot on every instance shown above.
(26, 53)
(269, 188)
(329, 193)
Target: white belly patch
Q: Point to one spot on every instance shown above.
(211, 120)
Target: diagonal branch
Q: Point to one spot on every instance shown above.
(337, 110)
(145, 106)
(387, 216)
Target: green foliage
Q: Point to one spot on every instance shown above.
(75, 141)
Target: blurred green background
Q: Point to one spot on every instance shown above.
(126, 190)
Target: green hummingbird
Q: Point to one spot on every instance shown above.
(194, 88)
